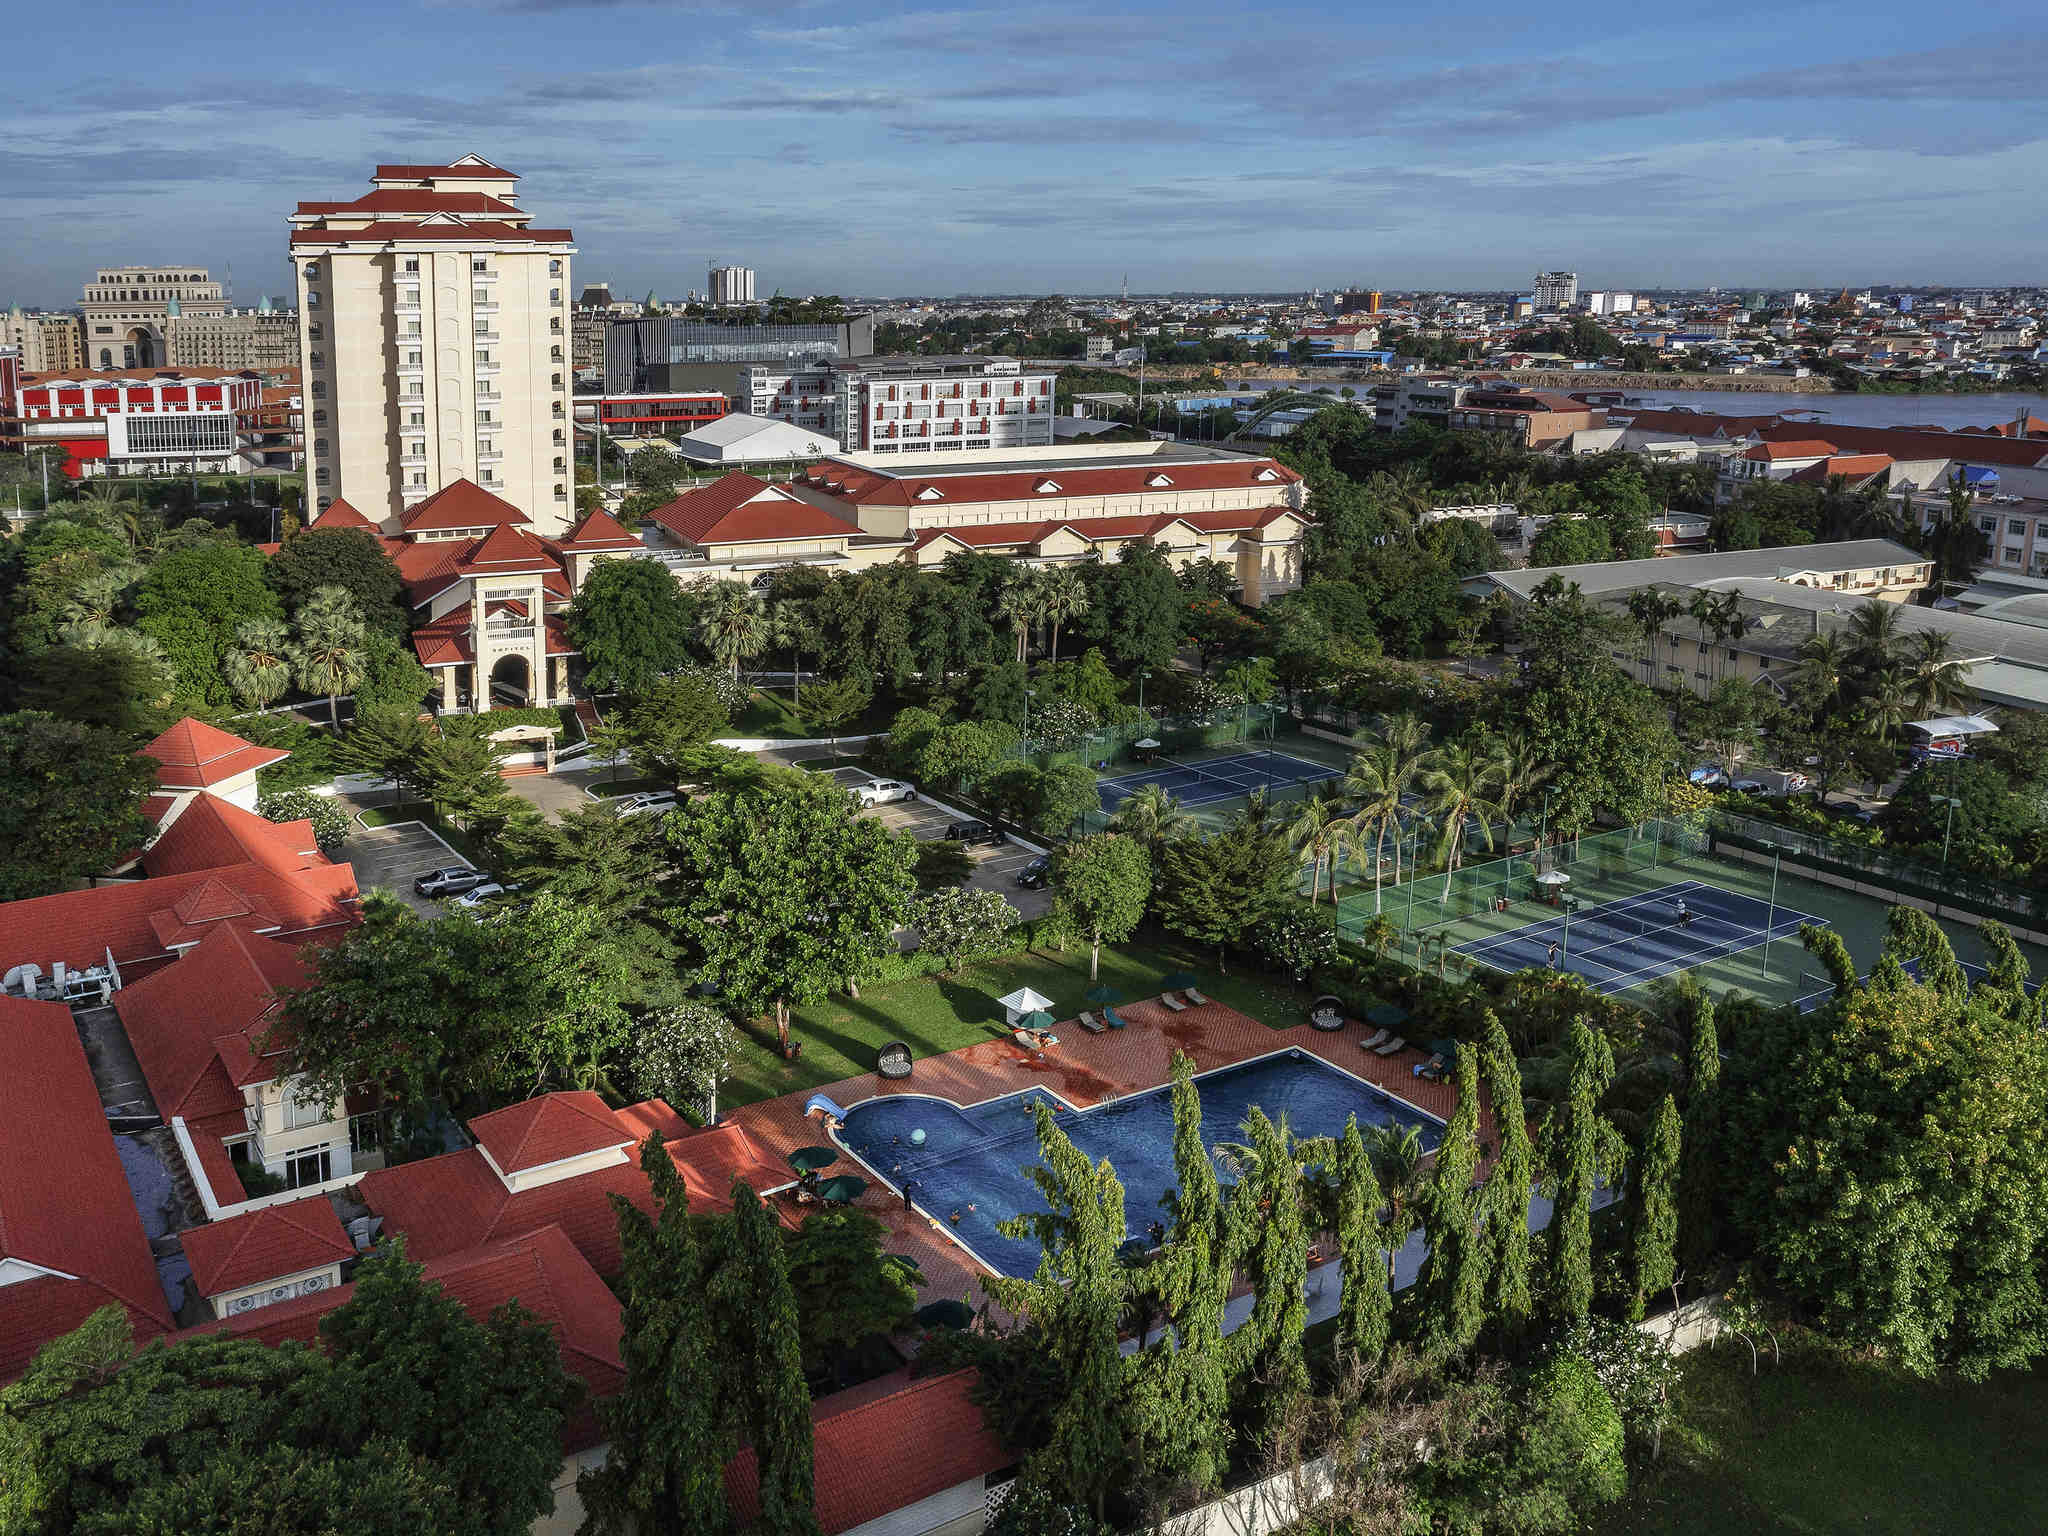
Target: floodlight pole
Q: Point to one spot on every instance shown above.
(1948, 826)
(1771, 921)
(1565, 948)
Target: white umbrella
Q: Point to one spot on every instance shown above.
(1024, 1001)
(1147, 745)
(1553, 877)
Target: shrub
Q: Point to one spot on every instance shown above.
(963, 925)
(330, 818)
(682, 1055)
(1295, 943)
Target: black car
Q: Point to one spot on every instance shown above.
(1034, 875)
(969, 833)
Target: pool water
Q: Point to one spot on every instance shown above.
(972, 1161)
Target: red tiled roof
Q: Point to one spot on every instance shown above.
(339, 514)
(882, 1452)
(195, 755)
(447, 1203)
(65, 1204)
(1129, 526)
(412, 230)
(267, 1244)
(419, 200)
(1797, 448)
(600, 530)
(541, 1270)
(505, 551)
(197, 1025)
(460, 504)
(547, 1129)
(740, 509)
(480, 170)
(446, 641)
(871, 487)
(1908, 443)
(1856, 466)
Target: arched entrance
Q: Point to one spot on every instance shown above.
(140, 349)
(511, 684)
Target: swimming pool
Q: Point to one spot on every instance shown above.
(972, 1160)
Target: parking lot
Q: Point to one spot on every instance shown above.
(995, 867)
(391, 858)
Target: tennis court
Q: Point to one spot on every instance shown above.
(1637, 939)
(1822, 989)
(1229, 777)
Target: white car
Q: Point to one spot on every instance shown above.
(883, 791)
(489, 891)
(651, 801)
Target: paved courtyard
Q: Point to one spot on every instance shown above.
(995, 867)
(391, 858)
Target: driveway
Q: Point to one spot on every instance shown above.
(995, 868)
(391, 858)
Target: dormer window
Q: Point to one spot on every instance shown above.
(1047, 487)
(931, 493)
(1157, 481)
(1267, 474)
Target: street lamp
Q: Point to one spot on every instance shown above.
(1948, 823)
(1771, 920)
(1570, 905)
(1143, 673)
(1029, 695)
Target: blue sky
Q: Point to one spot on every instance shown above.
(896, 149)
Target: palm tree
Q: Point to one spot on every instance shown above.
(1522, 770)
(259, 665)
(1379, 776)
(1705, 611)
(1734, 624)
(788, 620)
(1651, 609)
(731, 625)
(1062, 595)
(1461, 787)
(1886, 704)
(1874, 635)
(1934, 675)
(1315, 831)
(95, 596)
(1018, 607)
(1153, 817)
(329, 657)
(1823, 667)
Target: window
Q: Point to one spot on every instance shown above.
(319, 445)
(1987, 525)
(415, 418)
(412, 330)
(483, 355)
(2016, 525)
(554, 295)
(300, 1113)
(555, 268)
(317, 331)
(312, 271)
(366, 1132)
(412, 264)
(319, 418)
(319, 389)
(320, 475)
(312, 1168)
(561, 494)
(479, 264)
(419, 481)
(418, 448)
(312, 299)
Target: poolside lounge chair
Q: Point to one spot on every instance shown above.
(1193, 996)
(1109, 1017)
(893, 1060)
(1433, 1069)
(1375, 1041)
(1089, 1022)
(1393, 1046)
(1173, 1002)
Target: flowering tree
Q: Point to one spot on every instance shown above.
(683, 1055)
(961, 924)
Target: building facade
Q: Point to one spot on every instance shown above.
(660, 353)
(1556, 290)
(732, 285)
(434, 323)
(944, 404)
(127, 310)
(44, 343)
(264, 339)
(166, 421)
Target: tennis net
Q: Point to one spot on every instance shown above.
(1239, 779)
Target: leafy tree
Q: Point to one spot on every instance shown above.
(1983, 831)
(1607, 743)
(963, 925)
(1452, 1284)
(1144, 611)
(1266, 1351)
(1066, 793)
(353, 559)
(1579, 1146)
(1295, 942)
(675, 715)
(386, 744)
(460, 775)
(1217, 889)
(632, 623)
(752, 1292)
(681, 1054)
(70, 802)
(847, 1289)
(116, 681)
(191, 602)
(831, 703)
(392, 681)
(1653, 1225)
(1076, 1299)
(258, 666)
(672, 1426)
(1365, 1308)
(1505, 1205)
(942, 863)
(1699, 1167)
(999, 695)
(1100, 885)
(1571, 541)
(785, 893)
(331, 651)
(331, 820)
(616, 865)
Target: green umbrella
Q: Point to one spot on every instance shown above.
(811, 1159)
(1180, 981)
(1039, 1020)
(1386, 1015)
(946, 1314)
(843, 1190)
(1105, 994)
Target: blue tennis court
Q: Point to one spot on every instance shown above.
(1216, 778)
(1622, 944)
(1824, 991)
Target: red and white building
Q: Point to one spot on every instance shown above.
(650, 415)
(134, 422)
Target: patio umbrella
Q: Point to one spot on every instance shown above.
(1180, 981)
(1147, 745)
(843, 1190)
(1038, 1020)
(1386, 1015)
(811, 1159)
(1104, 993)
(946, 1314)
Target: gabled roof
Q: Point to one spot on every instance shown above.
(461, 503)
(195, 755)
(420, 200)
(881, 1451)
(739, 509)
(506, 551)
(473, 167)
(1797, 448)
(436, 227)
(198, 1026)
(1099, 529)
(266, 1244)
(548, 1129)
(65, 1204)
(599, 530)
(339, 514)
(877, 486)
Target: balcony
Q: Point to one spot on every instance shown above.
(487, 394)
(490, 456)
(407, 306)
(483, 306)
(486, 370)
(484, 335)
(497, 630)
(412, 461)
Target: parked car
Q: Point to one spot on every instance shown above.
(1034, 875)
(883, 791)
(489, 891)
(1849, 810)
(969, 833)
(646, 802)
(1749, 787)
(449, 880)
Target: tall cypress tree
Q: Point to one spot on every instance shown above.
(1507, 1192)
(765, 1354)
(1577, 1141)
(1270, 1368)
(1183, 1396)
(1699, 1169)
(1452, 1285)
(1365, 1309)
(1076, 1299)
(1653, 1211)
(672, 1428)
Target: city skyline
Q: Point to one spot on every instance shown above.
(880, 149)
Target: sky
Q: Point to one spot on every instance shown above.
(882, 149)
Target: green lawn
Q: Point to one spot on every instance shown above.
(943, 1013)
(1820, 1446)
(770, 714)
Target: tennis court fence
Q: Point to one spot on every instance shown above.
(1116, 743)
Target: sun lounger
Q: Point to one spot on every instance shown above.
(1173, 1002)
(1089, 1022)
(1433, 1069)
(1391, 1047)
(1194, 997)
(1109, 1017)
(1374, 1042)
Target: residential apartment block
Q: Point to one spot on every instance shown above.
(731, 285)
(44, 343)
(908, 404)
(434, 321)
(264, 339)
(1556, 290)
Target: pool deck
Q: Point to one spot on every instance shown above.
(1084, 1069)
